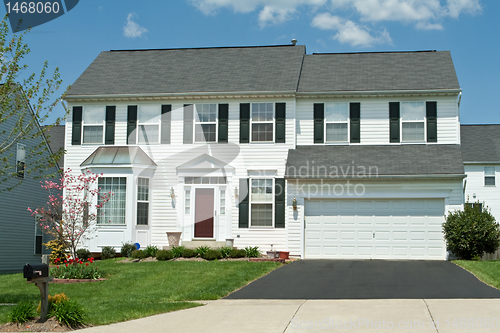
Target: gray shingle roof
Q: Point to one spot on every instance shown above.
(232, 69)
(378, 72)
(480, 143)
(383, 160)
(55, 139)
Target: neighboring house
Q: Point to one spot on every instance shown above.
(481, 155)
(55, 139)
(21, 238)
(353, 155)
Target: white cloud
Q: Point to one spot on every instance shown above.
(349, 32)
(456, 7)
(429, 26)
(132, 29)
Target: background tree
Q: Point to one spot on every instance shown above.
(26, 101)
(68, 219)
(471, 232)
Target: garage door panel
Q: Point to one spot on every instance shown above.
(385, 229)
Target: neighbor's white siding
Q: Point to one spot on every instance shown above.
(374, 120)
(475, 190)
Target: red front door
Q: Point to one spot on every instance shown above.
(204, 213)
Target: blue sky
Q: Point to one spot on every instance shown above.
(468, 28)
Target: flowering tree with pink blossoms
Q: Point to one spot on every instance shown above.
(67, 218)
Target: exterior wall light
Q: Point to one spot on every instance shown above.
(172, 193)
(236, 194)
(294, 204)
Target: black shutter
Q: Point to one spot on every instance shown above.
(355, 115)
(131, 124)
(431, 112)
(188, 123)
(244, 203)
(280, 122)
(110, 125)
(244, 122)
(76, 132)
(319, 122)
(166, 120)
(223, 122)
(279, 203)
(394, 122)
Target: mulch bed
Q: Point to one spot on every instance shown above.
(50, 325)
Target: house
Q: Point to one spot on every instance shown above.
(55, 139)
(21, 239)
(348, 155)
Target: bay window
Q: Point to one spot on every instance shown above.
(112, 211)
(142, 201)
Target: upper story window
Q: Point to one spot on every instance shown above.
(148, 121)
(205, 123)
(20, 160)
(262, 118)
(261, 202)
(337, 122)
(489, 176)
(413, 121)
(93, 124)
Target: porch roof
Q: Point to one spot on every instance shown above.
(119, 156)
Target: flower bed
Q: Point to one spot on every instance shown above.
(75, 269)
(76, 280)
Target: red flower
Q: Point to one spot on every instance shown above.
(57, 266)
(80, 262)
(66, 265)
(86, 264)
(65, 261)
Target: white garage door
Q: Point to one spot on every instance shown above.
(375, 229)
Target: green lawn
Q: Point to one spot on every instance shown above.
(486, 271)
(138, 290)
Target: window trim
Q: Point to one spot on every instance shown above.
(103, 125)
(148, 201)
(490, 176)
(139, 124)
(187, 196)
(348, 122)
(250, 202)
(20, 173)
(222, 195)
(273, 122)
(199, 123)
(402, 121)
(37, 227)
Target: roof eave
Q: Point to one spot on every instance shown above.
(362, 93)
(432, 176)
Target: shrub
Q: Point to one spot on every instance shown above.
(224, 251)
(127, 249)
(201, 250)
(189, 253)
(72, 269)
(83, 254)
(22, 312)
(68, 313)
(252, 252)
(52, 300)
(212, 255)
(164, 255)
(107, 252)
(471, 232)
(151, 250)
(237, 253)
(59, 250)
(177, 251)
(139, 254)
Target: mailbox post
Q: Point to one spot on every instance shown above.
(39, 275)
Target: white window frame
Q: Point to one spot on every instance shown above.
(348, 122)
(140, 200)
(187, 200)
(21, 158)
(222, 201)
(251, 202)
(424, 121)
(106, 205)
(157, 123)
(273, 122)
(199, 123)
(102, 125)
(491, 168)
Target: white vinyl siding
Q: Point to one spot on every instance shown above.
(476, 191)
(93, 124)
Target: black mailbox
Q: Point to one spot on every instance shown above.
(32, 271)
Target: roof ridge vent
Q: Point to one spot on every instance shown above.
(294, 42)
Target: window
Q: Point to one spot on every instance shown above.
(113, 211)
(222, 205)
(205, 124)
(93, 124)
(413, 121)
(149, 124)
(205, 180)
(262, 118)
(489, 176)
(20, 160)
(337, 122)
(38, 236)
(261, 200)
(142, 201)
(187, 202)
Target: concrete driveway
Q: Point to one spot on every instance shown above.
(367, 279)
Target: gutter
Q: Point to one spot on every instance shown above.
(379, 92)
(434, 176)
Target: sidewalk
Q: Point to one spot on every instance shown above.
(279, 316)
